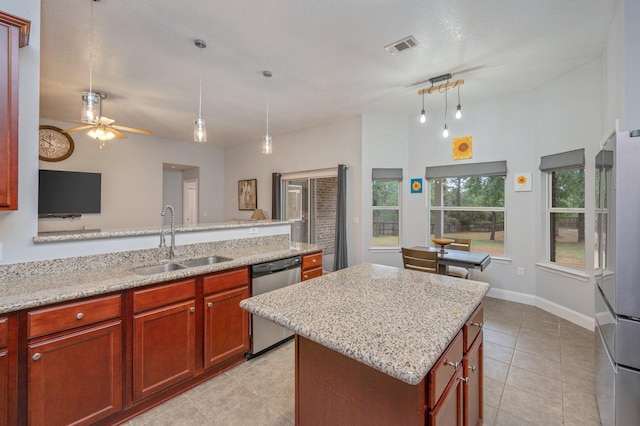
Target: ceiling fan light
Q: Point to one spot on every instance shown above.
(90, 112)
(199, 130)
(267, 145)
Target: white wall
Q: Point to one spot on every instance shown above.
(319, 147)
(632, 64)
(385, 144)
(172, 191)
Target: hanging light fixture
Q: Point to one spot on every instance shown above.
(423, 116)
(267, 145)
(459, 108)
(445, 131)
(199, 126)
(90, 112)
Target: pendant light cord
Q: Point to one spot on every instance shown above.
(200, 100)
(446, 103)
(91, 48)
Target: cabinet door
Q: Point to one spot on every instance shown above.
(4, 387)
(76, 378)
(472, 367)
(163, 348)
(311, 273)
(226, 326)
(448, 411)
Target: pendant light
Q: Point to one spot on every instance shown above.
(423, 116)
(90, 112)
(199, 126)
(459, 108)
(267, 145)
(445, 131)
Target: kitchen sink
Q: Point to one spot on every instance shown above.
(157, 269)
(204, 261)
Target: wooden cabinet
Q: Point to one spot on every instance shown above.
(4, 372)
(164, 336)
(226, 325)
(472, 368)
(311, 266)
(445, 386)
(74, 362)
(14, 33)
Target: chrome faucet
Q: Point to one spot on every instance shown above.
(172, 249)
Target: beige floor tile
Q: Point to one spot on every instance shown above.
(539, 346)
(544, 366)
(530, 407)
(159, 411)
(506, 419)
(492, 391)
(575, 375)
(534, 383)
(489, 415)
(579, 401)
(497, 352)
(495, 370)
(184, 415)
(502, 326)
(500, 338)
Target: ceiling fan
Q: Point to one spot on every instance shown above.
(105, 130)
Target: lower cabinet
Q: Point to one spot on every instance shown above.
(226, 325)
(445, 386)
(4, 372)
(311, 266)
(472, 369)
(74, 362)
(449, 411)
(164, 337)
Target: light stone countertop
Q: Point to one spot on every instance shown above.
(394, 320)
(32, 284)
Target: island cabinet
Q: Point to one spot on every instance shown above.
(226, 325)
(311, 266)
(74, 362)
(14, 33)
(445, 386)
(164, 336)
(472, 368)
(7, 375)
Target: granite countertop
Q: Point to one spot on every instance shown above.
(394, 320)
(34, 284)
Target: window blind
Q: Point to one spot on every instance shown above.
(562, 161)
(491, 168)
(386, 174)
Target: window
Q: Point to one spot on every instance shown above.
(565, 208)
(386, 193)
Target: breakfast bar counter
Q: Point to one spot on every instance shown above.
(369, 335)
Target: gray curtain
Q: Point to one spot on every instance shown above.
(341, 220)
(276, 196)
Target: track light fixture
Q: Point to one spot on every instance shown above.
(443, 88)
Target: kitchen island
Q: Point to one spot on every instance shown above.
(381, 345)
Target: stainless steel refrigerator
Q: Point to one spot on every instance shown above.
(617, 273)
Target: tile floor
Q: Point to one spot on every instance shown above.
(538, 370)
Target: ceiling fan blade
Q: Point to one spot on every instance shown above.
(117, 133)
(106, 120)
(131, 129)
(76, 129)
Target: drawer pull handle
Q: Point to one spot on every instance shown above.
(210, 304)
(455, 365)
(477, 324)
(36, 356)
(472, 368)
(464, 379)
(79, 315)
(313, 260)
(192, 309)
(306, 277)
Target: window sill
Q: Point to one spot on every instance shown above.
(563, 271)
(384, 249)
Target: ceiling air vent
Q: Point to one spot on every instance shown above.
(400, 45)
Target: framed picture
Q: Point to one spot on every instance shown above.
(247, 194)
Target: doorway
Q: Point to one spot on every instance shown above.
(180, 189)
(190, 202)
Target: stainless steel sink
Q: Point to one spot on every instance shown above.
(157, 269)
(204, 261)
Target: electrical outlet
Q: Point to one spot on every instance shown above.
(253, 230)
(520, 272)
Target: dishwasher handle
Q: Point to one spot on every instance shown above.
(268, 268)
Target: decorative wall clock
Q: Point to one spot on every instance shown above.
(53, 145)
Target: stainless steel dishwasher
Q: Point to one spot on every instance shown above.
(266, 277)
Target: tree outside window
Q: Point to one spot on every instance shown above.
(386, 212)
(566, 227)
(469, 207)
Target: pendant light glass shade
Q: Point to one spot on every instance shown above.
(267, 146)
(199, 126)
(199, 130)
(90, 113)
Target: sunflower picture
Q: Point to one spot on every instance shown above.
(416, 186)
(462, 148)
(522, 182)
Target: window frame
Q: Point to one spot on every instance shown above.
(393, 177)
(442, 208)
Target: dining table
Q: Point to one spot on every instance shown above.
(462, 258)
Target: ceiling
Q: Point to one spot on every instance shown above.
(327, 58)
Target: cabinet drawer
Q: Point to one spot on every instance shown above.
(4, 330)
(226, 280)
(163, 295)
(312, 273)
(473, 326)
(71, 315)
(312, 261)
(445, 368)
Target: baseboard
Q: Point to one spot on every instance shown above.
(563, 312)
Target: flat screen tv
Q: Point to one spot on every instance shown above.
(68, 193)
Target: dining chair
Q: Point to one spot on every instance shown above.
(420, 260)
(463, 244)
